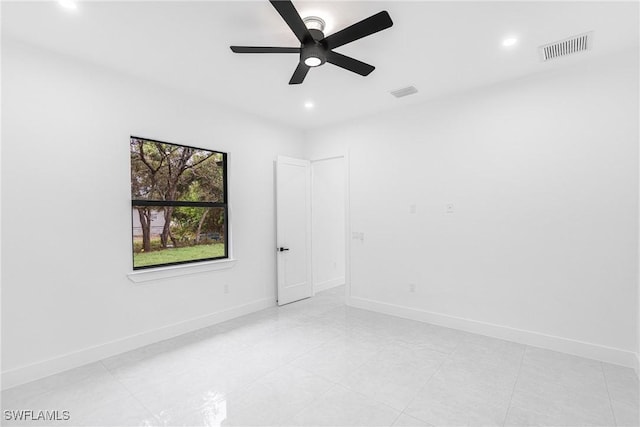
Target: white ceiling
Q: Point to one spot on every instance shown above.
(439, 47)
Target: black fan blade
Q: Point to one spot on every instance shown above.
(372, 24)
(264, 49)
(349, 63)
(291, 16)
(299, 74)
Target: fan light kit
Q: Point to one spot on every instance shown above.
(313, 61)
(316, 49)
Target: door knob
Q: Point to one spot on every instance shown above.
(281, 249)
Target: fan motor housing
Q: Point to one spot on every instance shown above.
(315, 50)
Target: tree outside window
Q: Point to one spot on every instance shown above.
(179, 203)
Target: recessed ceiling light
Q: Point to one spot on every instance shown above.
(509, 41)
(308, 105)
(68, 4)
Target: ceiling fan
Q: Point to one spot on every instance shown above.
(316, 49)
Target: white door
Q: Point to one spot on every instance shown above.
(293, 234)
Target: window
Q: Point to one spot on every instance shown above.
(179, 204)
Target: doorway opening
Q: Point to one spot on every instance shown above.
(312, 229)
(329, 225)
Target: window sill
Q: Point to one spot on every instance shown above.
(141, 276)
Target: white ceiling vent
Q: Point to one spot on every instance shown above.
(579, 43)
(409, 90)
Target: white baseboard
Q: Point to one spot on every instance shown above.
(328, 284)
(35, 371)
(566, 345)
(637, 367)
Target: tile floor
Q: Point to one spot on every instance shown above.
(318, 362)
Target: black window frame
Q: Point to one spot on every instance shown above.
(175, 203)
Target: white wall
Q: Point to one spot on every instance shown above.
(542, 246)
(66, 244)
(328, 223)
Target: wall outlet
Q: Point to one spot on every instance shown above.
(450, 208)
(226, 288)
(412, 287)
